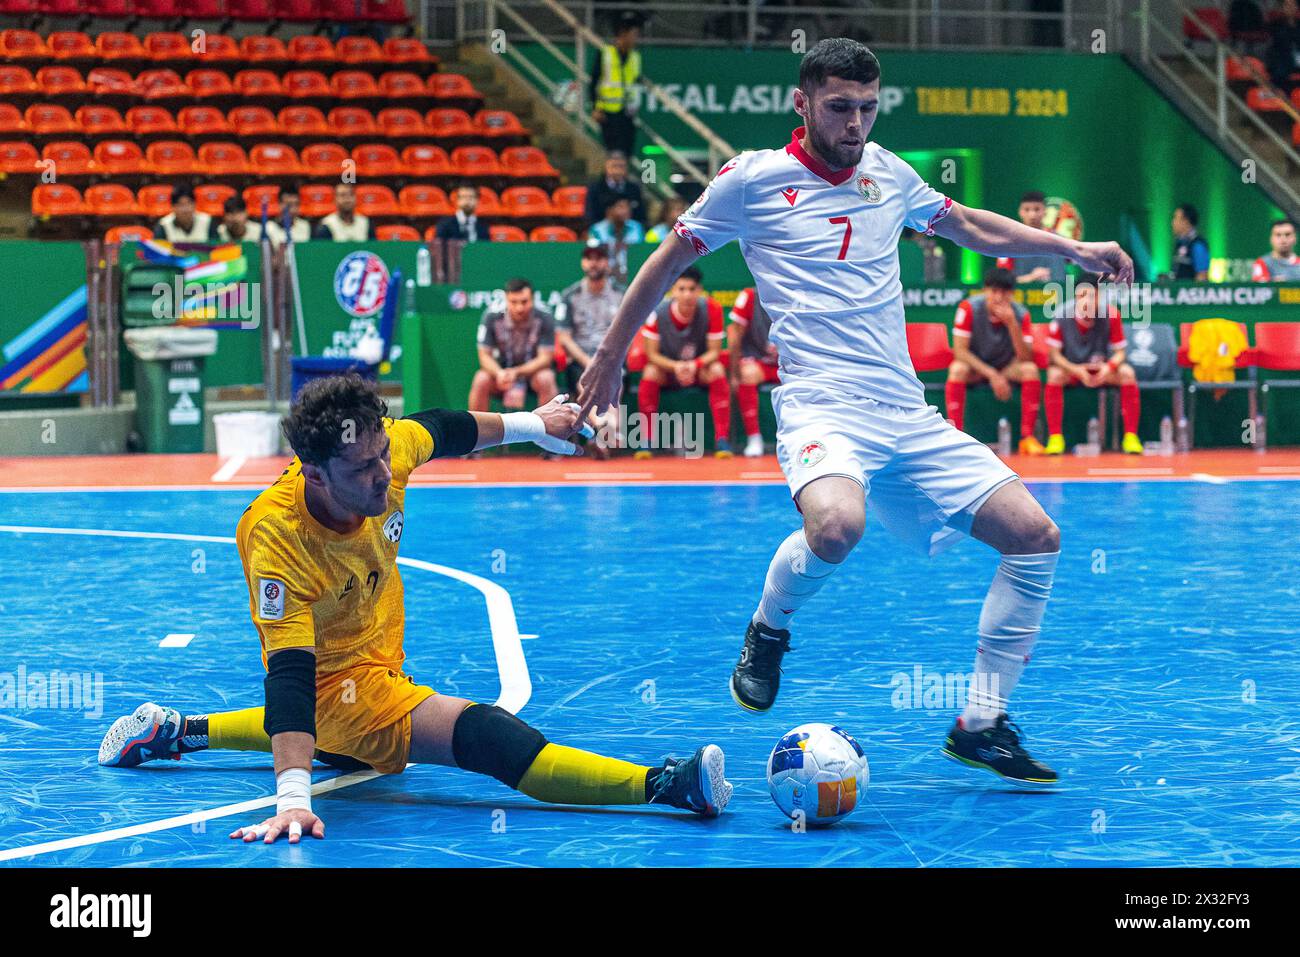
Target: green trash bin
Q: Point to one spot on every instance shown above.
(169, 385)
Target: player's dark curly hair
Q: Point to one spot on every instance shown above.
(839, 57)
(328, 411)
(1000, 279)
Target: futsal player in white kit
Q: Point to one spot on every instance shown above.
(818, 222)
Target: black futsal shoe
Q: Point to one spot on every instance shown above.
(998, 749)
(757, 676)
(697, 784)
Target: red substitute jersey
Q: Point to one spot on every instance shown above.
(689, 337)
(988, 338)
(1086, 340)
(752, 318)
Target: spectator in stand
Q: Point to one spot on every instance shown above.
(1281, 264)
(1034, 269)
(683, 350)
(345, 224)
(614, 183)
(289, 206)
(584, 315)
(516, 349)
(1283, 57)
(184, 224)
(669, 210)
(615, 70)
(1090, 352)
(752, 362)
(993, 342)
(1191, 251)
(618, 226)
(234, 226)
(464, 223)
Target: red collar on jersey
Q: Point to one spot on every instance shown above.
(795, 149)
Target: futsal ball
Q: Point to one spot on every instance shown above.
(817, 772)
(1062, 217)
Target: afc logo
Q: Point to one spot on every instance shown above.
(393, 527)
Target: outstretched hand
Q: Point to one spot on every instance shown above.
(1107, 259)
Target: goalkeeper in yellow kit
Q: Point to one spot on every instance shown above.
(319, 550)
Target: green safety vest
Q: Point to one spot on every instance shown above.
(616, 77)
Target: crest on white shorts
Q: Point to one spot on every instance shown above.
(393, 527)
(869, 189)
(811, 454)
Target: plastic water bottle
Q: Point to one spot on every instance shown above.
(423, 266)
(1004, 437)
(1183, 435)
(1261, 434)
(1166, 436)
(1094, 433)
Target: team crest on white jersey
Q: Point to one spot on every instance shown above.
(393, 527)
(869, 189)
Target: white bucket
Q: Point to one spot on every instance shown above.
(249, 435)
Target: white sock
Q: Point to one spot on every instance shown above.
(794, 576)
(1009, 626)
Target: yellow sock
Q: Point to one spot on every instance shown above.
(238, 731)
(560, 775)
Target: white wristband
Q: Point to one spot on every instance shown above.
(293, 790)
(521, 427)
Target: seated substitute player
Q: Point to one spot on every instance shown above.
(516, 349)
(753, 362)
(1086, 352)
(1281, 264)
(818, 223)
(992, 341)
(683, 350)
(319, 550)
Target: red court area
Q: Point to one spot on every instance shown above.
(201, 471)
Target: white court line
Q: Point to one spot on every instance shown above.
(229, 468)
(516, 688)
(1211, 479)
(176, 641)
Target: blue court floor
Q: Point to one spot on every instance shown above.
(1166, 688)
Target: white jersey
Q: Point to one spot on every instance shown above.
(823, 248)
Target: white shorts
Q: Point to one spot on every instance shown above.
(923, 479)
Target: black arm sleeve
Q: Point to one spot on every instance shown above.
(454, 433)
(290, 692)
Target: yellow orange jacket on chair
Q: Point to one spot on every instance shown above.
(1213, 347)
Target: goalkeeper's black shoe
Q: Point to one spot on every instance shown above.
(697, 784)
(998, 749)
(757, 676)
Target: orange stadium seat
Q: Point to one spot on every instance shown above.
(223, 159)
(359, 50)
(117, 9)
(120, 158)
(401, 123)
(250, 121)
(306, 48)
(254, 195)
(422, 160)
(526, 161)
(208, 83)
(450, 124)
(354, 85)
(205, 9)
(526, 202)
(303, 121)
(18, 158)
(423, 201)
(374, 200)
(570, 201)
(499, 124)
(155, 200)
(103, 80)
(258, 84)
(552, 234)
(23, 46)
(128, 233)
(302, 84)
(274, 159)
(171, 158)
(220, 48)
(167, 47)
(385, 11)
(259, 48)
(71, 45)
(111, 199)
(96, 120)
(56, 199)
(203, 121)
(159, 9)
(113, 45)
(15, 80)
(11, 120)
(475, 161)
(324, 160)
(154, 120)
(69, 158)
(402, 85)
(249, 9)
(489, 203)
(50, 119)
(316, 200)
(211, 198)
(927, 344)
(351, 121)
(298, 11)
(453, 86)
(407, 50)
(60, 81)
(397, 233)
(377, 159)
(163, 84)
(67, 9)
(1264, 101)
(501, 233)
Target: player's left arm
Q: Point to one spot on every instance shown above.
(994, 235)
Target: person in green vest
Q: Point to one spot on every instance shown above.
(617, 66)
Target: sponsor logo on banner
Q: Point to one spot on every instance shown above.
(361, 284)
